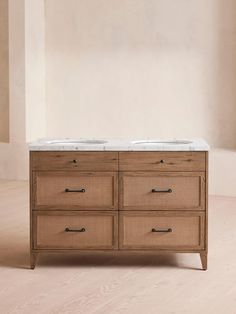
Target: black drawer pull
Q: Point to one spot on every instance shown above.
(161, 191)
(75, 230)
(74, 161)
(75, 190)
(162, 230)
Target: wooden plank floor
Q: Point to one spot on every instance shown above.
(114, 284)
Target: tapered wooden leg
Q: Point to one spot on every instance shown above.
(203, 256)
(33, 259)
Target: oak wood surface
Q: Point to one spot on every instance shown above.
(187, 190)
(31, 223)
(203, 256)
(78, 161)
(50, 190)
(162, 161)
(100, 230)
(135, 230)
(139, 172)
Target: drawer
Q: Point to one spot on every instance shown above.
(75, 190)
(162, 161)
(75, 230)
(80, 161)
(161, 230)
(162, 190)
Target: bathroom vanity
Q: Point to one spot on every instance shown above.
(103, 195)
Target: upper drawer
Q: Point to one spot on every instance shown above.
(162, 191)
(84, 161)
(75, 190)
(162, 161)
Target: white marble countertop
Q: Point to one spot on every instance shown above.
(68, 144)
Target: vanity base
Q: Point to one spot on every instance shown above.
(118, 202)
(33, 260)
(203, 256)
(34, 254)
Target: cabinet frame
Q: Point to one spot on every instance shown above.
(113, 165)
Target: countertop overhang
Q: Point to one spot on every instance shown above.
(68, 144)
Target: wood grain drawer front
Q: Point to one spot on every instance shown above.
(162, 161)
(162, 191)
(150, 230)
(77, 190)
(80, 161)
(75, 230)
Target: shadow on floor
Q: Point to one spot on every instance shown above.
(15, 258)
(19, 258)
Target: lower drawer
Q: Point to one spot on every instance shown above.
(74, 230)
(161, 230)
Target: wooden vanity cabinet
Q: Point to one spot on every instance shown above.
(127, 201)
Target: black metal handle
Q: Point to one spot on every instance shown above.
(75, 230)
(74, 161)
(161, 191)
(75, 190)
(162, 230)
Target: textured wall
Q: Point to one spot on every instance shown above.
(35, 69)
(137, 68)
(13, 155)
(27, 113)
(4, 72)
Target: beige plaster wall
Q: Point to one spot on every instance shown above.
(26, 85)
(35, 69)
(137, 68)
(222, 174)
(13, 155)
(4, 72)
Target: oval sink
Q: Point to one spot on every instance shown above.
(173, 142)
(68, 142)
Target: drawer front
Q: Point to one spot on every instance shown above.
(162, 191)
(75, 230)
(162, 161)
(161, 230)
(77, 190)
(78, 161)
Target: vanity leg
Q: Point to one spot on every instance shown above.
(33, 259)
(203, 256)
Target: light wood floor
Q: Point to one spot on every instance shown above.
(114, 284)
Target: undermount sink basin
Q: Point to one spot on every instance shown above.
(173, 142)
(68, 142)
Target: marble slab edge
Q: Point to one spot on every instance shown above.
(115, 145)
